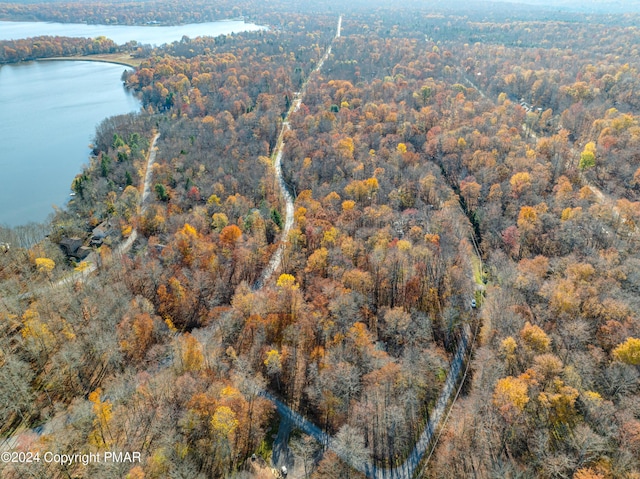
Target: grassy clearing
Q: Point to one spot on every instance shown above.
(478, 273)
(118, 58)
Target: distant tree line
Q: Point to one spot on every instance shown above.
(12, 51)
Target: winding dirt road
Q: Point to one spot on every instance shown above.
(408, 468)
(9, 443)
(276, 259)
(121, 249)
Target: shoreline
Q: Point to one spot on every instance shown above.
(241, 18)
(110, 100)
(91, 58)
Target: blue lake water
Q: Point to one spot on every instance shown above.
(154, 35)
(48, 115)
(49, 112)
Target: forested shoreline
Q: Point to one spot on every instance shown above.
(13, 51)
(420, 130)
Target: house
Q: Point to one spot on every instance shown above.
(72, 248)
(97, 236)
(527, 107)
(82, 252)
(70, 245)
(100, 233)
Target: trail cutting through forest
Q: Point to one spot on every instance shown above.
(12, 441)
(438, 414)
(126, 245)
(408, 468)
(276, 259)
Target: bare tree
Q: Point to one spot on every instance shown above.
(349, 446)
(305, 448)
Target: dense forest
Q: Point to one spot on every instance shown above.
(458, 178)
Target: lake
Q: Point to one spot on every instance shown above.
(49, 112)
(47, 120)
(154, 35)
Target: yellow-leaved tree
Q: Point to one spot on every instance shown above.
(224, 421)
(520, 183)
(558, 401)
(511, 396)
(273, 362)
(588, 156)
(191, 353)
(45, 265)
(37, 332)
(535, 338)
(628, 352)
(508, 349)
(287, 281)
(317, 262)
(136, 473)
(527, 218)
(101, 435)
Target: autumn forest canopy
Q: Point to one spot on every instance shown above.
(465, 188)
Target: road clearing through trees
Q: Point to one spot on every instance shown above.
(288, 415)
(444, 403)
